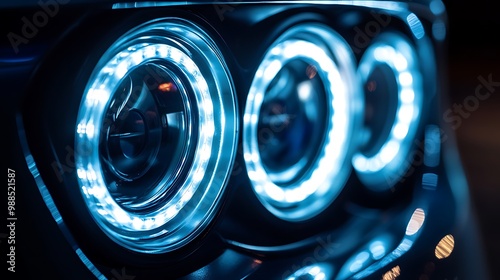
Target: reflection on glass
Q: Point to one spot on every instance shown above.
(445, 247)
(437, 7)
(367, 257)
(392, 274)
(377, 249)
(439, 30)
(416, 221)
(319, 271)
(432, 146)
(416, 26)
(429, 181)
(359, 261)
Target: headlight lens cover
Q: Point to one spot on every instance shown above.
(390, 73)
(156, 135)
(299, 121)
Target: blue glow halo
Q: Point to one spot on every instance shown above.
(181, 203)
(381, 170)
(324, 173)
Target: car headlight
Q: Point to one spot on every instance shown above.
(390, 72)
(130, 129)
(155, 136)
(299, 122)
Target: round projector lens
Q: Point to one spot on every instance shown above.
(393, 92)
(292, 122)
(156, 136)
(147, 121)
(300, 115)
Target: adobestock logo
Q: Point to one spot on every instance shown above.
(221, 9)
(362, 38)
(483, 91)
(121, 275)
(31, 26)
(325, 249)
(453, 116)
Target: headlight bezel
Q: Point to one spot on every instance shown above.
(381, 171)
(160, 229)
(305, 199)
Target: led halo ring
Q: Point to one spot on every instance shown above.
(381, 170)
(326, 172)
(181, 203)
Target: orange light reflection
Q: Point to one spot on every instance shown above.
(167, 87)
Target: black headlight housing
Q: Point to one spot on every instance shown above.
(279, 139)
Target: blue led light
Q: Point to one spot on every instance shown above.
(437, 7)
(328, 172)
(93, 184)
(378, 249)
(164, 224)
(319, 271)
(416, 26)
(381, 170)
(439, 30)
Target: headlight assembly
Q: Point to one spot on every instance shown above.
(130, 128)
(155, 136)
(299, 122)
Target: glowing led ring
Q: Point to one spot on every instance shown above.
(381, 170)
(327, 171)
(182, 206)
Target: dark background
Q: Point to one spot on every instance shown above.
(474, 29)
